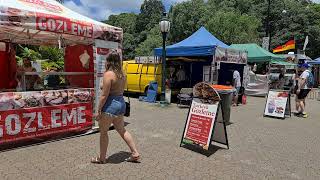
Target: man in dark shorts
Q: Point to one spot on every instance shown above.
(303, 91)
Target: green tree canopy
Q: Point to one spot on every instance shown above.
(234, 28)
(153, 40)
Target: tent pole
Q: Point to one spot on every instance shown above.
(190, 76)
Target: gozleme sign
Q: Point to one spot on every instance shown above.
(25, 116)
(60, 24)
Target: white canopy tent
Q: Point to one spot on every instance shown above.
(47, 22)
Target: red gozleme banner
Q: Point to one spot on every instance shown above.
(46, 22)
(28, 115)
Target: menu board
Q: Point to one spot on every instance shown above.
(200, 124)
(276, 104)
(202, 116)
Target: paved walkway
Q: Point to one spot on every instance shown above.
(260, 148)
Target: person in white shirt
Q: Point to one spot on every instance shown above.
(302, 91)
(254, 67)
(181, 75)
(236, 82)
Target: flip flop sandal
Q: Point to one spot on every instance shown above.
(96, 160)
(133, 159)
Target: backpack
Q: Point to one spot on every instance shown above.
(310, 80)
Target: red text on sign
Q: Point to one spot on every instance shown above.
(63, 25)
(23, 123)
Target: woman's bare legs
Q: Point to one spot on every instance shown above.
(104, 125)
(126, 136)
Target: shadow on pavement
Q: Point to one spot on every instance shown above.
(213, 149)
(183, 106)
(229, 123)
(36, 141)
(119, 157)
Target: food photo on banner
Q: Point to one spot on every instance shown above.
(202, 116)
(276, 104)
(34, 115)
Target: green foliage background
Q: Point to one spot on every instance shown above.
(232, 21)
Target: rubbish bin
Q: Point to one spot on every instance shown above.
(226, 95)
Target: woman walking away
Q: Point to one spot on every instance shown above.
(112, 108)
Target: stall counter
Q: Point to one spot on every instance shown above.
(28, 115)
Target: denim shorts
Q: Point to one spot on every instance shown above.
(115, 106)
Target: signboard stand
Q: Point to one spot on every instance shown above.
(218, 133)
(278, 104)
(204, 124)
(288, 111)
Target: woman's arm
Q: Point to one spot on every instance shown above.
(107, 80)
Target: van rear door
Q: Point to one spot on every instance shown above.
(133, 72)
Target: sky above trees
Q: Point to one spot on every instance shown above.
(102, 9)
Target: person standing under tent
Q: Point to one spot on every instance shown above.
(172, 77)
(181, 76)
(236, 82)
(305, 85)
(294, 82)
(254, 69)
(31, 80)
(281, 80)
(112, 108)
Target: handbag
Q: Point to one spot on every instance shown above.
(127, 112)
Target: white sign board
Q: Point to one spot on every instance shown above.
(102, 49)
(276, 104)
(265, 43)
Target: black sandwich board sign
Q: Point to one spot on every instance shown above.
(204, 123)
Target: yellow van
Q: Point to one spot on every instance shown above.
(139, 75)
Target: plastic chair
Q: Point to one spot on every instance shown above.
(151, 93)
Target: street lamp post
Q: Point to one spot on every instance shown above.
(165, 28)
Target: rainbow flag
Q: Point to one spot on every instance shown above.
(289, 45)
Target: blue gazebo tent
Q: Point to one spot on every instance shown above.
(200, 43)
(314, 62)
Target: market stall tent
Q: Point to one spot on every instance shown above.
(283, 63)
(256, 53)
(314, 62)
(201, 43)
(47, 22)
(316, 70)
(87, 43)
